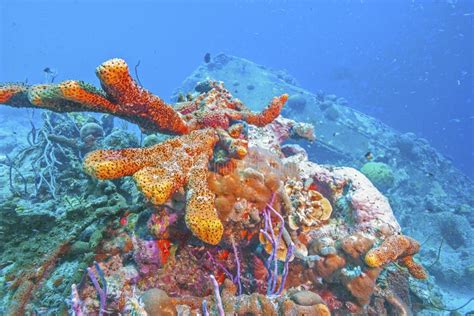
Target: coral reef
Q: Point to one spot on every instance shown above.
(427, 186)
(155, 171)
(276, 233)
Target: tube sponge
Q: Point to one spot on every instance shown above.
(201, 215)
(415, 269)
(391, 249)
(270, 113)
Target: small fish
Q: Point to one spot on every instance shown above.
(369, 156)
(50, 74)
(207, 58)
(335, 134)
(430, 174)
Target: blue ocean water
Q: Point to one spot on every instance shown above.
(388, 86)
(408, 63)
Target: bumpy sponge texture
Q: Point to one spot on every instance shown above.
(270, 113)
(391, 249)
(201, 215)
(162, 169)
(415, 269)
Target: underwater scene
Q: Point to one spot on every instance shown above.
(257, 157)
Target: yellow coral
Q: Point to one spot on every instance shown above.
(158, 183)
(267, 245)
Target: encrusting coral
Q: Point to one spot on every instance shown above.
(311, 208)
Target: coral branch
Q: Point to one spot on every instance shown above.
(237, 261)
(101, 291)
(415, 269)
(217, 295)
(124, 98)
(284, 275)
(135, 100)
(76, 303)
(205, 311)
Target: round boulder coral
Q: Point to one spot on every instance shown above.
(379, 174)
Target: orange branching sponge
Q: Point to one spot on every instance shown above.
(83, 93)
(114, 164)
(391, 249)
(10, 93)
(207, 123)
(415, 269)
(162, 169)
(270, 113)
(122, 89)
(217, 108)
(123, 97)
(201, 215)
